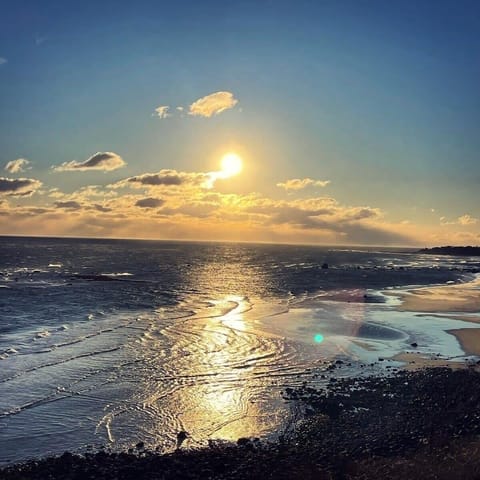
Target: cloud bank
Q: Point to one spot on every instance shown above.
(105, 161)
(175, 204)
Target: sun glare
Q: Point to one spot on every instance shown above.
(231, 164)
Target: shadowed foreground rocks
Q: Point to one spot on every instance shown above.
(423, 425)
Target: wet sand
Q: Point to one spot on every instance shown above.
(469, 339)
(418, 361)
(458, 298)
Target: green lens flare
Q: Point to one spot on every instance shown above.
(318, 338)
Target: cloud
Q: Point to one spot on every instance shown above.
(16, 166)
(149, 202)
(101, 208)
(105, 161)
(298, 184)
(464, 220)
(212, 104)
(3, 60)
(198, 210)
(70, 205)
(166, 178)
(23, 187)
(467, 220)
(162, 111)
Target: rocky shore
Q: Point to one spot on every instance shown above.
(450, 250)
(423, 424)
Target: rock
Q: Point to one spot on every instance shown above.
(181, 437)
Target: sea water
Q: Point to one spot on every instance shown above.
(112, 342)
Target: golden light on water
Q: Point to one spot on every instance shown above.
(231, 164)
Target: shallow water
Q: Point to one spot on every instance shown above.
(115, 342)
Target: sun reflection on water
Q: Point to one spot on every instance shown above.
(224, 406)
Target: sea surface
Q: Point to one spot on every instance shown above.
(113, 342)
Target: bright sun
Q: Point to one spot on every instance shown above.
(231, 164)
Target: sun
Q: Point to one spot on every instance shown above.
(231, 164)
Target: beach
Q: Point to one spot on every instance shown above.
(420, 425)
(179, 338)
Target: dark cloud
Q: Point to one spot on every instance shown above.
(70, 205)
(105, 161)
(19, 186)
(165, 178)
(149, 202)
(101, 208)
(157, 179)
(361, 213)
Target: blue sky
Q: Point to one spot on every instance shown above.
(380, 98)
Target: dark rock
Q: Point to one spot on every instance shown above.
(181, 437)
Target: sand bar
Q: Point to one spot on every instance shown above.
(459, 298)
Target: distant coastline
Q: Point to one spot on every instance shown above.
(449, 250)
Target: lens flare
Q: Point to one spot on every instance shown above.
(318, 338)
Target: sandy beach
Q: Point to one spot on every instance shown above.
(454, 298)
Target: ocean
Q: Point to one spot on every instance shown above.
(113, 342)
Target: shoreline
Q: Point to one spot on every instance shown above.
(375, 427)
(458, 301)
(455, 298)
(410, 360)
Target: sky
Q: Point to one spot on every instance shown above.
(356, 122)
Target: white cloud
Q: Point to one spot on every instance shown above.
(467, 220)
(105, 161)
(162, 111)
(21, 187)
(3, 60)
(299, 184)
(16, 166)
(213, 104)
